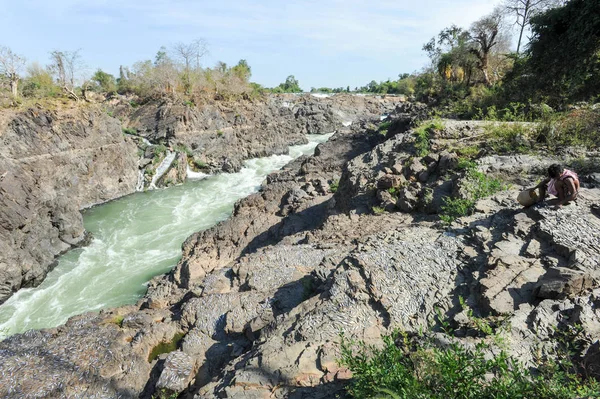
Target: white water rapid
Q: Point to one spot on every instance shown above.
(134, 239)
(162, 168)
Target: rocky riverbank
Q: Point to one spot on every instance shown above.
(348, 240)
(55, 162)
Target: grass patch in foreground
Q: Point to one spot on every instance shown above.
(406, 369)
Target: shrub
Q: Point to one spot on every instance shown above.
(423, 135)
(377, 210)
(333, 187)
(199, 164)
(509, 138)
(476, 186)
(130, 130)
(579, 127)
(220, 133)
(159, 150)
(183, 149)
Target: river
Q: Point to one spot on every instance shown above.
(134, 239)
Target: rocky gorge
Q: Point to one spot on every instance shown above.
(59, 159)
(348, 240)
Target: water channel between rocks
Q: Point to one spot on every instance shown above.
(135, 238)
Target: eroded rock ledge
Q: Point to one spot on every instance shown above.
(256, 305)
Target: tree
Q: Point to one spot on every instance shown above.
(10, 66)
(291, 85)
(242, 71)
(485, 34)
(65, 66)
(189, 54)
(565, 50)
(523, 10)
(105, 81)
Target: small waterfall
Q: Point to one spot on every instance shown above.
(162, 168)
(347, 123)
(140, 183)
(195, 175)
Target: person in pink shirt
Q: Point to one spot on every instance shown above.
(562, 183)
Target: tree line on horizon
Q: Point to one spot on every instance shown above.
(470, 70)
(174, 71)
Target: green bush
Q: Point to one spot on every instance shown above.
(130, 130)
(477, 185)
(333, 187)
(416, 369)
(576, 128)
(377, 210)
(423, 135)
(159, 150)
(183, 149)
(509, 138)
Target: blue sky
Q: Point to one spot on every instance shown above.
(322, 42)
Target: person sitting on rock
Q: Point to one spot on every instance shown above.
(562, 183)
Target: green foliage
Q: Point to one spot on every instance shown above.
(509, 138)
(118, 320)
(220, 133)
(423, 134)
(199, 164)
(165, 347)
(564, 51)
(159, 150)
(104, 82)
(576, 128)
(183, 149)
(404, 85)
(130, 130)
(165, 394)
(39, 83)
(377, 210)
(189, 103)
(290, 85)
(409, 369)
(333, 187)
(476, 185)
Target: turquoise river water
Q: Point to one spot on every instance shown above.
(134, 239)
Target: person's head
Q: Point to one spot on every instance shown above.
(555, 170)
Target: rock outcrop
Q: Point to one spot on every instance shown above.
(53, 164)
(222, 135)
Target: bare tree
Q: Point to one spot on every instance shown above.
(188, 54)
(486, 33)
(524, 10)
(10, 66)
(65, 65)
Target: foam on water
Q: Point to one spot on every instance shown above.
(135, 238)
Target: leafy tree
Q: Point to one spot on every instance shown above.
(10, 67)
(105, 81)
(242, 70)
(38, 82)
(565, 49)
